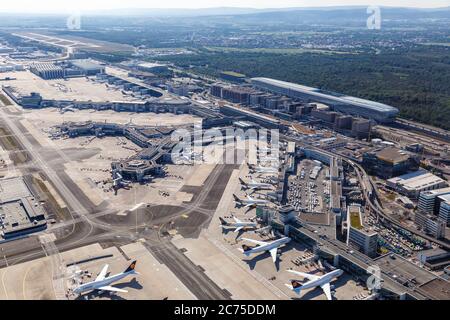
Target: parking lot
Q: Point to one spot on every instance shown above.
(306, 192)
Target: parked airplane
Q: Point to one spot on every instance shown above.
(315, 281)
(268, 158)
(256, 185)
(260, 169)
(262, 246)
(249, 202)
(103, 283)
(238, 224)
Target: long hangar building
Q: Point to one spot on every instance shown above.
(342, 103)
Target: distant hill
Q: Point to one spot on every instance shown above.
(310, 13)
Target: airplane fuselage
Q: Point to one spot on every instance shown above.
(253, 202)
(322, 280)
(94, 285)
(260, 186)
(269, 246)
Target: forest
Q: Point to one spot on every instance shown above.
(416, 80)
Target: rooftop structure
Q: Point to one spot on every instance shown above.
(47, 70)
(250, 115)
(359, 237)
(232, 76)
(153, 67)
(434, 258)
(392, 155)
(20, 213)
(342, 103)
(414, 277)
(88, 66)
(389, 162)
(412, 184)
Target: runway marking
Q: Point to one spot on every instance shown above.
(23, 282)
(3, 284)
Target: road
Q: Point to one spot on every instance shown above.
(370, 193)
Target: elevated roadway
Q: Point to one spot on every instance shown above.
(371, 193)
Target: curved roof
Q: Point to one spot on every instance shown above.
(376, 106)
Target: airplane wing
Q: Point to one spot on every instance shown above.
(238, 229)
(236, 220)
(255, 241)
(308, 276)
(327, 290)
(102, 273)
(113, 289)
(273, 253)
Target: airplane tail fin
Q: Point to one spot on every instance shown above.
(242, 182)
(131, 267)
(237, 199)
(223, 222)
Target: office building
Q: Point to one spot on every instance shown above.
(444, 208)
(430, 224)
(389, 162)
(339, 102)
(359, 237)
(429, 202)
(361, 128)
(343, 122)
(236, 94)
(327, 116)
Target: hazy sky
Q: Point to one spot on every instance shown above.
(70, 5)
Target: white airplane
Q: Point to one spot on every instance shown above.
(103, 283)
(238, 224)
(262, 246)
(253, 185)
(249, 202)
(266, 150)
(267, 157)
(260, 169)
(315, 281)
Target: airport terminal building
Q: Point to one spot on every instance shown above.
(342, 103)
